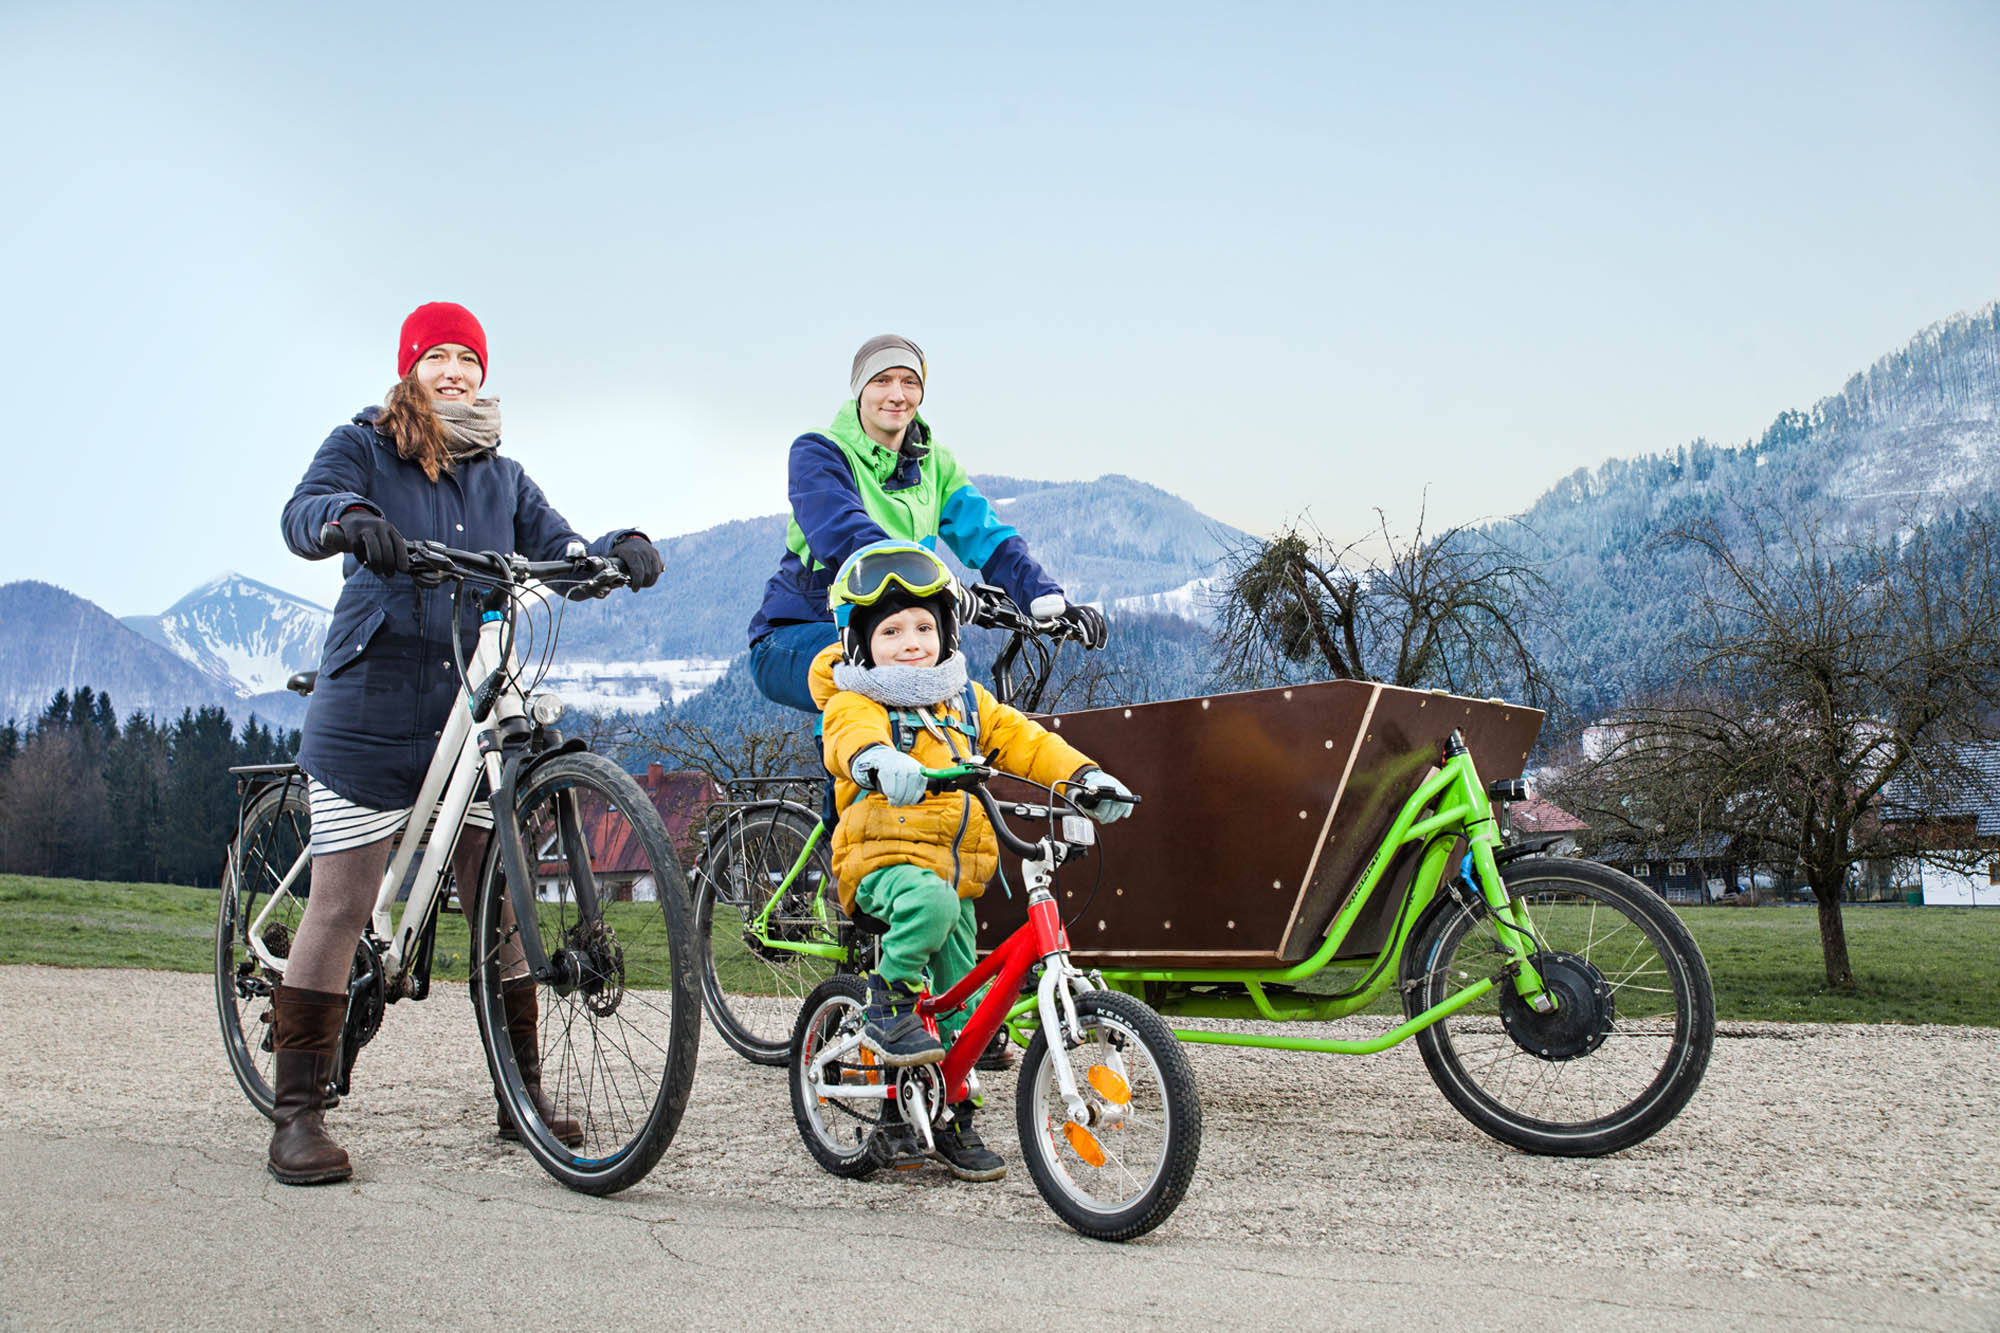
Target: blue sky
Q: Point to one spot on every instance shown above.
(1271, 258)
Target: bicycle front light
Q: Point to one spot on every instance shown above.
(546, 707)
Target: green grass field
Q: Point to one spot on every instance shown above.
(1915, 965)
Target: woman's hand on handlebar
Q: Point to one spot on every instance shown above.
(372, 539)
(640, 558)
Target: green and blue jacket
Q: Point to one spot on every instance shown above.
(847, 491)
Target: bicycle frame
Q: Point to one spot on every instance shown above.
(1041, 939)
(1450, 806)
(469, 748)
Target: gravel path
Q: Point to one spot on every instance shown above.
(1814, 1155)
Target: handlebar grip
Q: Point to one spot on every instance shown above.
(1090, 800)
(332, 537)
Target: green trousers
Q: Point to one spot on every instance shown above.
(930, 928)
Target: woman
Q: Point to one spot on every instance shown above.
(877, 475)
(424, 466)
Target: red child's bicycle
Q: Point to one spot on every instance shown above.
(1109, 1120)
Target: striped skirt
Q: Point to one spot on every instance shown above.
(339, 825)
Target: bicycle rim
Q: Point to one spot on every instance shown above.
(838, 1132)
(614, 1044)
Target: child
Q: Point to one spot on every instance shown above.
(912, 858)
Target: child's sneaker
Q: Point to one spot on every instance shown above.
(960, 1148)
(893, 1031)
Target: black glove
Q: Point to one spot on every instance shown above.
(1088, 622)
(972, 604)
(641, 559)
(374, 541)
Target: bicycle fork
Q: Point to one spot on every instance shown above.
(1482, 835)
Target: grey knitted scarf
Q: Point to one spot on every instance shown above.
(904, 686)
(473, 428)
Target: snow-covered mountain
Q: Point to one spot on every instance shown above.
(53, 640)
(246, 634)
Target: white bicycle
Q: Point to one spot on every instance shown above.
(579, 855)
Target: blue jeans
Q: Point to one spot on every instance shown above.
(781, 662)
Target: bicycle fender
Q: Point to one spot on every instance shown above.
(530, 761)
(514, 860)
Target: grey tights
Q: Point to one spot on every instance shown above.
(344, 885)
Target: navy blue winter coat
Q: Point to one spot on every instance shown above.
(386, 680)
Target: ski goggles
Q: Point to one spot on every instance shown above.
(913, 569)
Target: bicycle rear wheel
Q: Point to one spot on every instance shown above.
(751, 913)
(618, 1027)
(1627, 1042)
(1125, 1171)
(265, 880)
(839, 1132)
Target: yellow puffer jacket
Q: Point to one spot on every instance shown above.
(946, 832)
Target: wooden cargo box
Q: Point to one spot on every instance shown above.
(1259, 811)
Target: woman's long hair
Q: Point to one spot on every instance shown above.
(408, 419)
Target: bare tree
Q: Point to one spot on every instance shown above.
(53, 806)
(1456, 611)
(1817, 674)
(748, 749)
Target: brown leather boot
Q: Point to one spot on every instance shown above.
(522, 1016)
(306, 1037)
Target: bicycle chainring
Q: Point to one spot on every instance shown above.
(369, 996)
(1584, 1015)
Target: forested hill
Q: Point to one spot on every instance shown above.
(1913, 438)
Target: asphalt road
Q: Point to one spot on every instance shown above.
(1822, 1177)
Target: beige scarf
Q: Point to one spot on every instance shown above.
(472, 428)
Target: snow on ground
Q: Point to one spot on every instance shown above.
(632, 687)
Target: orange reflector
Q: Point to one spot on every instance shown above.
(1110, 1085)
(1083, 1143)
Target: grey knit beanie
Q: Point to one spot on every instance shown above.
(879, 354)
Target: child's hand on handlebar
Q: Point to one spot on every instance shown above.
(1103, 797)
(888, 770)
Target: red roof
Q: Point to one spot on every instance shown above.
(1535, 815)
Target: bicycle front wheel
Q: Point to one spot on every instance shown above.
(265, 881)
(1121, 1170)
(611, 1042)
(758, 904)
(1628, 1039)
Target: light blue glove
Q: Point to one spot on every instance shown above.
(1108, 791)
(888, 770)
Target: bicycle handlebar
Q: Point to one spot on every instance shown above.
(433, 562)
(973, 775)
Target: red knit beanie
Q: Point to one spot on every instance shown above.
(438, 322)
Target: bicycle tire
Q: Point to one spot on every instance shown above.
(753, 993)
(1628, 1042)
(616, 1047)
(1155, 1128)
(840, 1135)
(275, 833)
